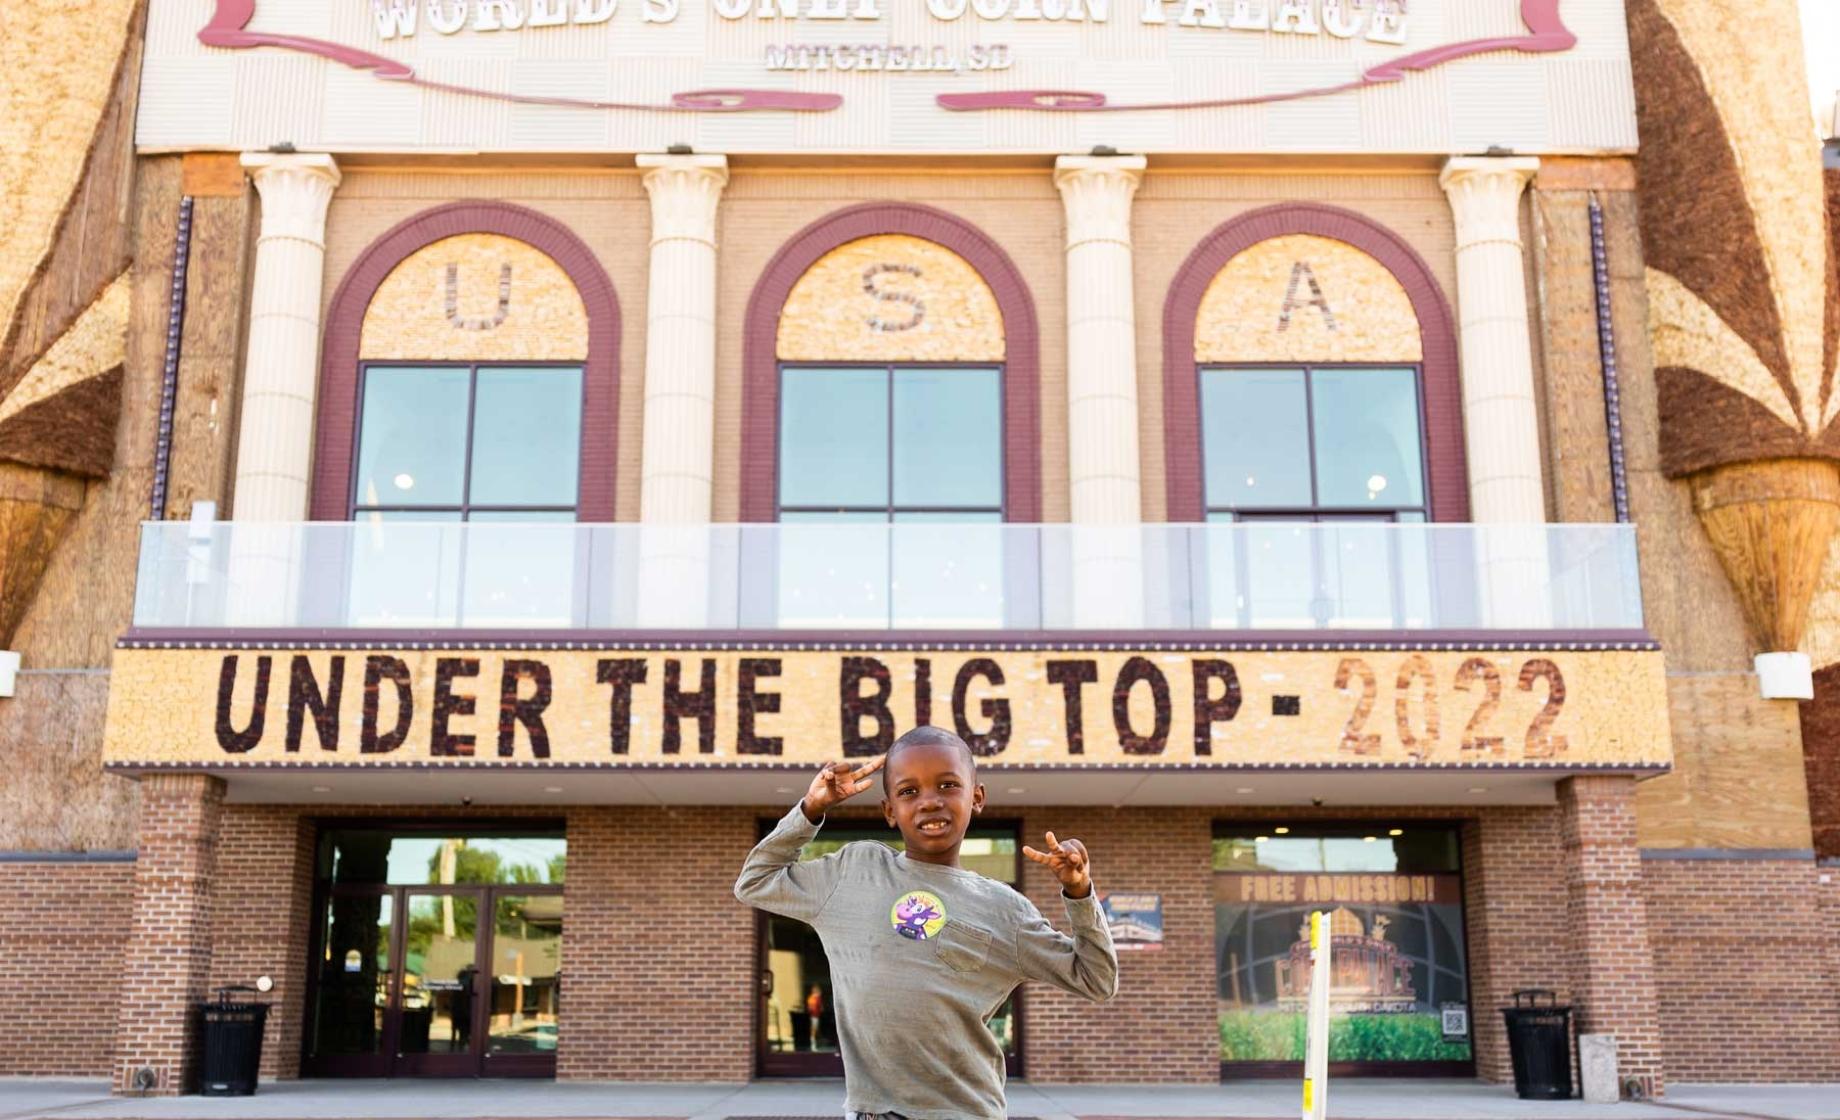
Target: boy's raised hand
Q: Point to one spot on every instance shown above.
(1069, 862)
(837, 783)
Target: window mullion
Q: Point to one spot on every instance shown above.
(466, 465)
(1309, 430)
(891, 499)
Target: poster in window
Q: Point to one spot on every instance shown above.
(1135, 920)
(1398, 965)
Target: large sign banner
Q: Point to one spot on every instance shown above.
(1398, 966)
(1072, 707)
(1044, 76)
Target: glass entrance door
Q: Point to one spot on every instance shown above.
(437, 1004)
(451, 978)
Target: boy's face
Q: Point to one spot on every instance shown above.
(932, 794)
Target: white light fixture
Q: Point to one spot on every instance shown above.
(322, 789)
(1243, 789)
(1785, 676)
(9, 671)
(1017, 789)
(552, 789)
(1282, 830)
(1260, 839)
(1369, 839)
(1395, 832)
(1479, 789)
(404, 481)
(1376, 483)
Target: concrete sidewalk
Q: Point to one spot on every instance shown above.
(1352, 1099)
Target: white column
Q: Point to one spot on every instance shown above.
(1103, 463)
(680, 338)
(274, 447)
(274, 442)
(677, 467)
(1500, 413)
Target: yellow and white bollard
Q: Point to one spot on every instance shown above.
(1316, 1052)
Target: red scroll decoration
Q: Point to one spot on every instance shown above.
(229, 29)
(1547, 34)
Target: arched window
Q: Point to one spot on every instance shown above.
(1310, 377)
(469, 375)
(1310, 374)
(1310, 409)
(892, 375)
(891, 361)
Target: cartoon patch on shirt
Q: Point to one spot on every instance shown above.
(918, 915)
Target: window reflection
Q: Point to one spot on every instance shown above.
(1314, 442)
(1316, 445)
(861, 447)
(395, 858)
(890, 440)
(460, 440)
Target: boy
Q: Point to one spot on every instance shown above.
(922, 951)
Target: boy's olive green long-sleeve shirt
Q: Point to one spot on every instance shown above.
(921, 957)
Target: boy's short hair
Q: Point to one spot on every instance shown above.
(927, 735)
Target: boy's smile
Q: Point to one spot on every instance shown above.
(932, 793)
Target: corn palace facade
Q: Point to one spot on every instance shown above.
(464, 463)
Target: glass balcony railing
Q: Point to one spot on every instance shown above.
(888, 577)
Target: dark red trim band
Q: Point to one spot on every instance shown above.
(495, 766)
(1022, 346)
(337, 413)
(1201, 641)
(1448, 479)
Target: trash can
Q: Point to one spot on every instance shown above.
(1540, 1044)
(230, 1041)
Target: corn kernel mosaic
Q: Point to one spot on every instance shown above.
(197, 708)
(891, 298)
(1302, 298)
(478, 297)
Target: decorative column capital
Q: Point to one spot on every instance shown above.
(296, 188)
(1097, 193)
(1485, 196)
(684, 190)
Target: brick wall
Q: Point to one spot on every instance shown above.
(261, 919)
(60, 957)
(1743, 958)
(1163, 1024)
(1514, 904)
(1607, 940)
(1828, 897)
(651, 924)
(657, 956)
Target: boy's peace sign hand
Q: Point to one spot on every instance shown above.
(1069, 862)
(837, 783)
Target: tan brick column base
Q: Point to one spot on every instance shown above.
(1613, 982)
(168, 959)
